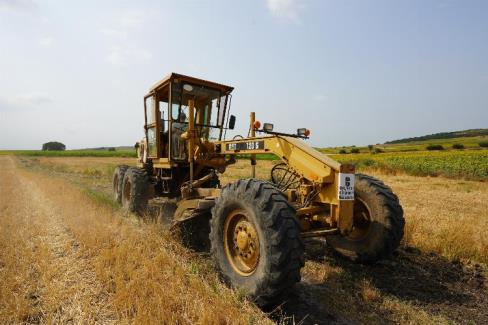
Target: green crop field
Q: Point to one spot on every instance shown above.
(467, 142)
(470, 164)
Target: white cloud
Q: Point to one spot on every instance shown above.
(285, 9)
(28, 100)
(46, 41)
(117, 57)
(123, 56)
(114, 33)
(131, 19)
(35, 98)
(18, 5)
(123, 48)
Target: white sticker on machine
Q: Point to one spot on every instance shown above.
(346, 186)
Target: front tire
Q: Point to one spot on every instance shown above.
(255, 239)
(135, 190)
(378, 223)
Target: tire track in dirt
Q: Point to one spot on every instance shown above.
(67, 290)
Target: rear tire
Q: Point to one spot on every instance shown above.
(118, 181)
(255, 240)
(135, 190)
(378, 223)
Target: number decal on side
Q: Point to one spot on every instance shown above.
(249, 145)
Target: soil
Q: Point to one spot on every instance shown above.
(453, 290)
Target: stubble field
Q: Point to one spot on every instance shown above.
(67, 254)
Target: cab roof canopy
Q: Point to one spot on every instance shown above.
(195, 81)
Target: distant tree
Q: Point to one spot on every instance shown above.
(458, 146)
(434, 147)
(53, 146)
(377, 150)
(370, 147)
(111, 149)
(483, 144)
(355, 150)
(342, 151)
(444, 135)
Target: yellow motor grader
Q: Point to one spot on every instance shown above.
(255, 227)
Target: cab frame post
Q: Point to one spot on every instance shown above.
(253, 134)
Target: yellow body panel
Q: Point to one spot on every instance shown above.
(308, 163)
(157, 163)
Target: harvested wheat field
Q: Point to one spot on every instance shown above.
(69, 255)
(66, 258)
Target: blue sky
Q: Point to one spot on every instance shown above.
(354, 72)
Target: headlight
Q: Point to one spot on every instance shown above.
(303, 132)
(268, 127)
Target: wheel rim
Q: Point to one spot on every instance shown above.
(361, 221)
(241, 242)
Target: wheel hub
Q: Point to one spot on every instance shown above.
(241, 243)
(361, 221)
(245, 238)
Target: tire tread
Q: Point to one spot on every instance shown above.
(281, 227)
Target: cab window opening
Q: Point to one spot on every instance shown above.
(210, 105)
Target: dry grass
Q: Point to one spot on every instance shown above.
(145, 276)
(67, 259)
(445, 216)
(368, 292)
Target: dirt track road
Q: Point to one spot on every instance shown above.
(59, 282)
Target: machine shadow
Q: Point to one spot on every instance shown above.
(426, 280)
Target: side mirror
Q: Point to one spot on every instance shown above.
(232, 122)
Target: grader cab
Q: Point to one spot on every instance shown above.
(255, 227)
